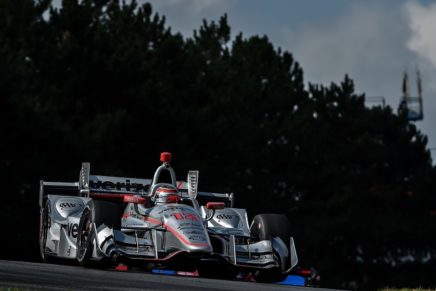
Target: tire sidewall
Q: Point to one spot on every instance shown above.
(84, 252)
(44, 226)
(264, 227)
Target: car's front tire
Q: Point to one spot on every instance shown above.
(264, 227)
(95, 213)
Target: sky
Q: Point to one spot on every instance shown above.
(373, 41)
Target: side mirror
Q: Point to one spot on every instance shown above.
(215, 205)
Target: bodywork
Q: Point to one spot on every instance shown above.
(158, 234)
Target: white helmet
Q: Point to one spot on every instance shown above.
(167, 194)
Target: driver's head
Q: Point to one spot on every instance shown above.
(167, 194)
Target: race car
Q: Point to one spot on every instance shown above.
(101, 221)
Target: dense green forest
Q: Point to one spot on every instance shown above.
(112, 84)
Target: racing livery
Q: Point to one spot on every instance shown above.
(101, 221)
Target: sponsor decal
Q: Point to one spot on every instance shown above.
(197, 237)
(190, 226)
(134, 199)
(72, 229)
(191, 231)
(177, 234)
(108, 185)
(224, 216)
(67, 205)
(185, 216)
(171, 208)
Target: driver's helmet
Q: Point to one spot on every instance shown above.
(167, 194)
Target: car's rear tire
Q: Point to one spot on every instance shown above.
(96, 212)
(44, 226)
(263, 227)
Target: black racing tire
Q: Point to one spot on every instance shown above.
(96, 212)
(269, 275)
(44, 226)
(263, 227)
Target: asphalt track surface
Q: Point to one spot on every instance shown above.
(40, 276)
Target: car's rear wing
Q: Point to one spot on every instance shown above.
(99, 186)
(57, 188)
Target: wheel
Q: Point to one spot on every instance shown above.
(44, 226)
(96, 212)
(263, 227)
(266, 225)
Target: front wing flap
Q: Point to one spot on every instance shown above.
(155, 245)
(262, 254)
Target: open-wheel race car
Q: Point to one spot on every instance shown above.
(102, 221)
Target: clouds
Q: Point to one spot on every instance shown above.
(422, 42)
(366, 42)
(195, 6)
(422, 20)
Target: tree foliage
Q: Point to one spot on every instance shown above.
(110, 83)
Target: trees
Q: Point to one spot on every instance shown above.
(111, 84)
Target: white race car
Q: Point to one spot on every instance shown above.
(101, 221)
